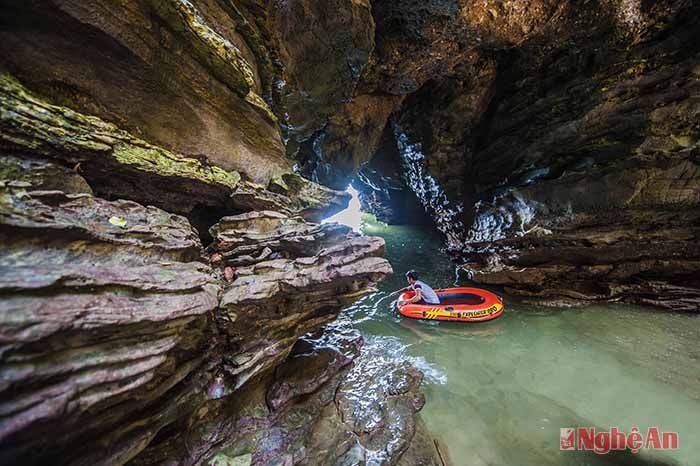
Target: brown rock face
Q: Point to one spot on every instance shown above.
(499, 118)
(102, 314)
(175, 73)
(116, 341)
(576, 157)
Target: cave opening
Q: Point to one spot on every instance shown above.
(383, 188)
(352, 214)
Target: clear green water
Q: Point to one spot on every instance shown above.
(498, 392)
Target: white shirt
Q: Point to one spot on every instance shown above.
(427, 293)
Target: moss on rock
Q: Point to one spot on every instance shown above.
(212, 50)
(31, 126)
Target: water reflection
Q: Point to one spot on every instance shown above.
(498, 392)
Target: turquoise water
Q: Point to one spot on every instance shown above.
(498, 392)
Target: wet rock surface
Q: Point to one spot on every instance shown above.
(114, 324)
(554, 143)
(289, 277)
(384, 190)
(327, 403)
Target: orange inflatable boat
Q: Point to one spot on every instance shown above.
(457, 305)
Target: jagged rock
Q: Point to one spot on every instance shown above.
(375, 404)
(314, 360)
(252, 232)
(93, 316)
(383, 190)
(117, 345)
(555, 144)
(109, 327)
(325, 47)
(117, 164)
(313, 271)
(601, 258)
(311, 412)
(291, 194)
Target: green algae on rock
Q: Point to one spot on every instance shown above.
(218, 54)
(30, 125)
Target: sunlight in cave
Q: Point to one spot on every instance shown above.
(352, 216)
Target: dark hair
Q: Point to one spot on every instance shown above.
(412, 275)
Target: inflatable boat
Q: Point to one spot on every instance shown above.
(457, 305)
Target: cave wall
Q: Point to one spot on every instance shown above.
(555, 144)
(165, 276)
(569, 159)
(167, 292)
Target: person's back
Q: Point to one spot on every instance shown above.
(427, 293)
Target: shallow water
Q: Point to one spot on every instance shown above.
(498, 392)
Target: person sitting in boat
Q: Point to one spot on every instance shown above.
(424, 294)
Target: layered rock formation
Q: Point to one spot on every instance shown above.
(104, 316)
(115, 333)
(180, 75)
(163, 254)
(554, 144)
(130, 133)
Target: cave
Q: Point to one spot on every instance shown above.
(173, 292)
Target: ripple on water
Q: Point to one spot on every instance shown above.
(391, 348)
(498, 392)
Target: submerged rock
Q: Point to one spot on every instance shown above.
(313, 412)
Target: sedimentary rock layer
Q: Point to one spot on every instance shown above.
(554, 144)
(116, 333)
(103, 313)
(181, 75)
(289, 277)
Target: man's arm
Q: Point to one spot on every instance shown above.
(416, 297)
(400, 291)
